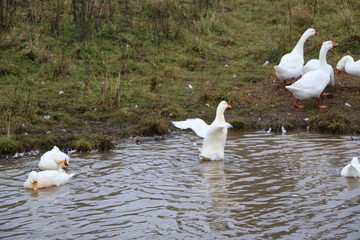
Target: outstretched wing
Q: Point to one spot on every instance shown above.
(197, 125)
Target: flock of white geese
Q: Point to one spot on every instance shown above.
(316, 74)
(313, 79)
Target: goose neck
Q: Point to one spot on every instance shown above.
(341, 64)
(322, 57)
(299, 47)
(219, 116)
(348, 60)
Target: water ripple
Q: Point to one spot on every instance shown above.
(269, 186)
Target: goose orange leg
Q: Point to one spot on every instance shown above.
(296, 103)
(318, 104)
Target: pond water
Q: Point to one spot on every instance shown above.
(268, 187)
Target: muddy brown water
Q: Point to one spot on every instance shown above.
(268, 187)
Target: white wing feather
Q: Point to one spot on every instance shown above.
(197, 125)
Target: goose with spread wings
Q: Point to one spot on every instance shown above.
(214, 134)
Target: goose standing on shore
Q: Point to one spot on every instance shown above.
(313, 65)
(291, 64)
(350, 66)
(214, 135)
(313, 83)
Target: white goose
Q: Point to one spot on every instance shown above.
(313, 65)
(47, 178)
(352, 169)
(291, 64)
(54, 159)
(313, 83)
(351, 67)
(214, 135)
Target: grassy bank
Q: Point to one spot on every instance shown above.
(78, 74)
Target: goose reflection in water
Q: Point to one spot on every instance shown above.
(215, 181)
(352, 183)
(216, 186)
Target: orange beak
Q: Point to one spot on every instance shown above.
(338, 71)
(64, 163)
(35, 186)
(229, 106)
(334, 44)
(316, 33)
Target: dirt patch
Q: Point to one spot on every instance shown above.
(269, 101)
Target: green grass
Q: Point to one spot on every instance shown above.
(135, 65)
(7, 146)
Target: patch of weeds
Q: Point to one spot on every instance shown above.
(62, 117)
(276, 126)
(131, 66)
(45, 120)
(122, 118)
(226, 42)
(302, 15)
(83, 145)
(87, 143)
(351, 44)
(173, 111)
(345, 15)
(154, 83)
(274, 49)
(253, 79)
(59, 65)
(84, 51)
(213, 96)
(252, 124)
(152, 127)
(49, 141)
(7, 68)
(20, 128)
(104, 143)
(8, 146)
(35, 52)
(172, 73)
(213, 23)
(91, 116)
(61, 140)
(191, 63)
(245, 125)
(25, 142)
(238, 124)
(356, 129)
(329, 124)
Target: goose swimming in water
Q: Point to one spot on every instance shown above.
(352, 169)
(214, 134)
(54, 159)
(47, 178)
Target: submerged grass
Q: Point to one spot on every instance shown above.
(278, 125)
(330, 124)
(8, 146)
